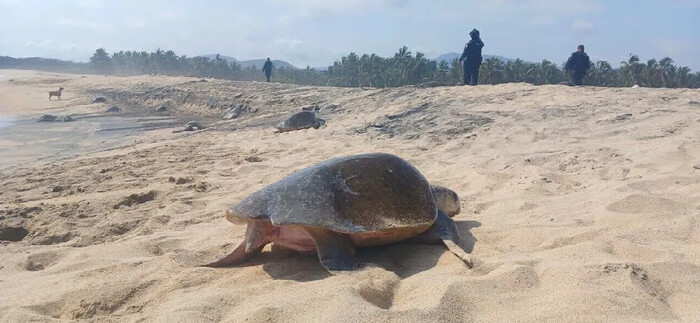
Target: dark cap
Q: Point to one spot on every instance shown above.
(474, 32)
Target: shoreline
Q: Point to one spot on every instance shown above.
(25, 142)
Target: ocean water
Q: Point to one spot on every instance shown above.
(5, 121)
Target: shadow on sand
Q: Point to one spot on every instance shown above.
(404, 258)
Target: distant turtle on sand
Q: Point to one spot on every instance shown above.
(162, 109)
(114, 109)
(99, 99)
(47, 118)
(193, 126)
(312, 107)
(344, 203)
(301, 120)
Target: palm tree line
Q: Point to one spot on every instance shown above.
(403, 68)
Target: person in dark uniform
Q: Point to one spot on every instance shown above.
(471, 58)
(577, 65)
(267, 69)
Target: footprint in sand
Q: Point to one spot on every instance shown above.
(638, 203)
(376, 286)
(40, 261)
(639, 277)
(136, 198)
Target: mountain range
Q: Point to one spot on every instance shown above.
(258, 63)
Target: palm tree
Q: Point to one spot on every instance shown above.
(683, 77)
(630, 69)
(650, 71)
(666, 72)
(101, 61)
(491, 71)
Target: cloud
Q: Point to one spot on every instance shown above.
(582, 26)
(135, 22)
(288, 42)
(676, 46)
(170, 14)
(88, 4)
(79, 23)
(320, 8)
(13, 3)
(524, 12)
(52, 44)
(560, 7)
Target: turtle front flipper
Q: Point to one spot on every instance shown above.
(252, 244)
(445, 230)
(335, 250)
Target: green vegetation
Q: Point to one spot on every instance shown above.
(404, 68)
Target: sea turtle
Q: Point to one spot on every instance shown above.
(344, 203)
(301, 120)
(47, 118)
(99, 99)
(162, 109)
(312, 107)
(114, 109)
(193, 125)
(235, 111)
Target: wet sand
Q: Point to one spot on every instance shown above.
(90, 129)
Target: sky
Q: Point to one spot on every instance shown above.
(318, 32)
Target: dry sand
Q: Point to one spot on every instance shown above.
(584, 203)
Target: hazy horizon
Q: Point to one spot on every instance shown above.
(316, 33)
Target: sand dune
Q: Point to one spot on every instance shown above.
(584, 204)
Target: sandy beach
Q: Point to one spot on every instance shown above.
(584, 202)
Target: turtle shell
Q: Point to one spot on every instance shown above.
(353, 194)
(300, 120)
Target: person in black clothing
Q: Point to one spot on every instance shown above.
(577, 65)
(471, 58)
(267, 69)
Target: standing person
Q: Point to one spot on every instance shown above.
(577, 65)
(267, 69)
(471, 58)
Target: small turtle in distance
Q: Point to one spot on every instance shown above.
(301, 120)
(193, 126)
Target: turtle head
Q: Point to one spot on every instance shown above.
(446, 199)
(234, 216)
(253, 207)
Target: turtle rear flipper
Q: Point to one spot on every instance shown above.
(445, 230)
(252, 244)
(239, 255)
(335, 250)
